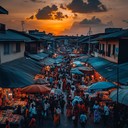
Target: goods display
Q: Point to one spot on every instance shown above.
(16, 103)
(8, 115)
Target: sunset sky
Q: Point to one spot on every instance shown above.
(65, 17)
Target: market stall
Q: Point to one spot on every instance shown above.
(121, 95)
(14, 119)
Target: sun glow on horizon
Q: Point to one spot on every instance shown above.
(50, 26)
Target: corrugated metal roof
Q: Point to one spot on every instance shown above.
(39, 56)
(3, 11)
(26, 65)
(109, 70)
(119, 34)
(12, 36)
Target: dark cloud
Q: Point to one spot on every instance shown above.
(31, 17)
(63, 7)
(60, 16)
(79, 6)
(35, 1)
(82, 27)
(66, 16)
(46, 12)
(38, 1)
(75, 15)
(95, 22)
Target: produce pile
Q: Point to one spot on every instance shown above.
(8, 115)
(16, 103)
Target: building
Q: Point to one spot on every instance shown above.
(113, 47)
(12, 45)
(44, 41)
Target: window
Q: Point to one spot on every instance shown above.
(17, 47)
(6, 48)
(113, 50)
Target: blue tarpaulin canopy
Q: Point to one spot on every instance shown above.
(76, 71)
(39, 56)
(18, 73)
(102, 86)
(109, 70)
(26, 65)
(51, 61)
(13, 78)
(122, 95)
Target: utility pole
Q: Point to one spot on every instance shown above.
(89, 34)
(77, 41)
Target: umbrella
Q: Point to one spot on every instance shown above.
(78, 63)
(36, 88)
(76, 99)
(76, 71)
(122, 96)
(56, 91)
(101, 86)
(41, 81)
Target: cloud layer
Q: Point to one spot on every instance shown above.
(94, 22)
(46, 12)
(79, 6)
(82, 27)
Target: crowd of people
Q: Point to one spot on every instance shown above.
(52, 106)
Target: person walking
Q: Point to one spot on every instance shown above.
(106, 114)
(62, 104)
(75, 115)
(83, 119)
(32, 123)
(7, 124)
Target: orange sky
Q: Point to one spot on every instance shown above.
(70, 22)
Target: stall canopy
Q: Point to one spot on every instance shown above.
(83, 68)
(76, 71)
(26, 65)
(102, 86)
(122, 96)
(82, 58)
(39, 56)
(60, 57)
(51, 61)
(109, 70)
(78, 63)
(13, 78)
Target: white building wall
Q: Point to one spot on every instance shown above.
(13, 55)
(112, 58)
